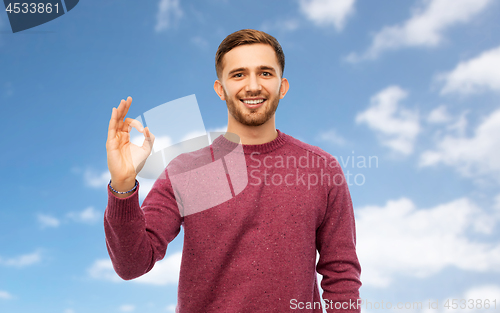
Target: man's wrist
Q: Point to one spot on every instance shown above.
(123, 189)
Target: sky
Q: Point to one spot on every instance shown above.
(405, 94)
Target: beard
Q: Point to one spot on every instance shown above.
(252, 117)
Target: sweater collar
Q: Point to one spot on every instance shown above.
(222, 143)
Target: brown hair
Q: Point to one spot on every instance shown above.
(247, 37)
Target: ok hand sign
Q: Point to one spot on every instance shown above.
(125, 159)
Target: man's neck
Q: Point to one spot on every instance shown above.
(253, 135)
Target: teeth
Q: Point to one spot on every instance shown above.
(253, 101)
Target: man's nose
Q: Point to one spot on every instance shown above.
(253, 84)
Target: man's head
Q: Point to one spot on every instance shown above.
(250, 66)
(247, 37)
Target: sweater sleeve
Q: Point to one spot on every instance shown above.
(137, 237)
(336, 244)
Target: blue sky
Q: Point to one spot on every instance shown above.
(415, 85)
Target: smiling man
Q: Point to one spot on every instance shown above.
(251, 83)
(255, 252)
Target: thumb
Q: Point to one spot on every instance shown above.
(149, 139)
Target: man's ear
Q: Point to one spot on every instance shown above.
(284, 87)
(219, 89)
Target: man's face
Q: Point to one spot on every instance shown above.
(251, 84)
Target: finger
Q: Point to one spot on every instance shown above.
(126, 106)
(123, 109)
(112, 124)
(130, 122)
(128, 102)
(149, 133)
(148, 140)
(119, 114)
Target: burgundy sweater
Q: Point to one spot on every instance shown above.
(256, 251)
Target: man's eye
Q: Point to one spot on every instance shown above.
(238, 75)
(266, 74)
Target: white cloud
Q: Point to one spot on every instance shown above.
(490, 292)
(439, 115)
(22, 260)
(169, 13)
(286, 25)
(497, 203)
(69, 311)
(193, 134)
(221, 129)
(170, 308)
(462, 303)
(328, 12)
(47, 221)
(474, 76)
(426, 27)
(88, 216)
(103, 269)
(474, 156)
(396, 127)
(127, 308)
(95, 180)
(138, 140)
(5, 295)
(459, 126)
(332, 137)
(200, 42)
(163, 273)
(400, 239)
(161, 142)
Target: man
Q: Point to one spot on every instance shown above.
(255, 252)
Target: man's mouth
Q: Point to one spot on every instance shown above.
(252, 103)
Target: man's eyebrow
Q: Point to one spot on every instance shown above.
(267, 68)
(239, 69)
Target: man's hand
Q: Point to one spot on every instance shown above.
(125, 159)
